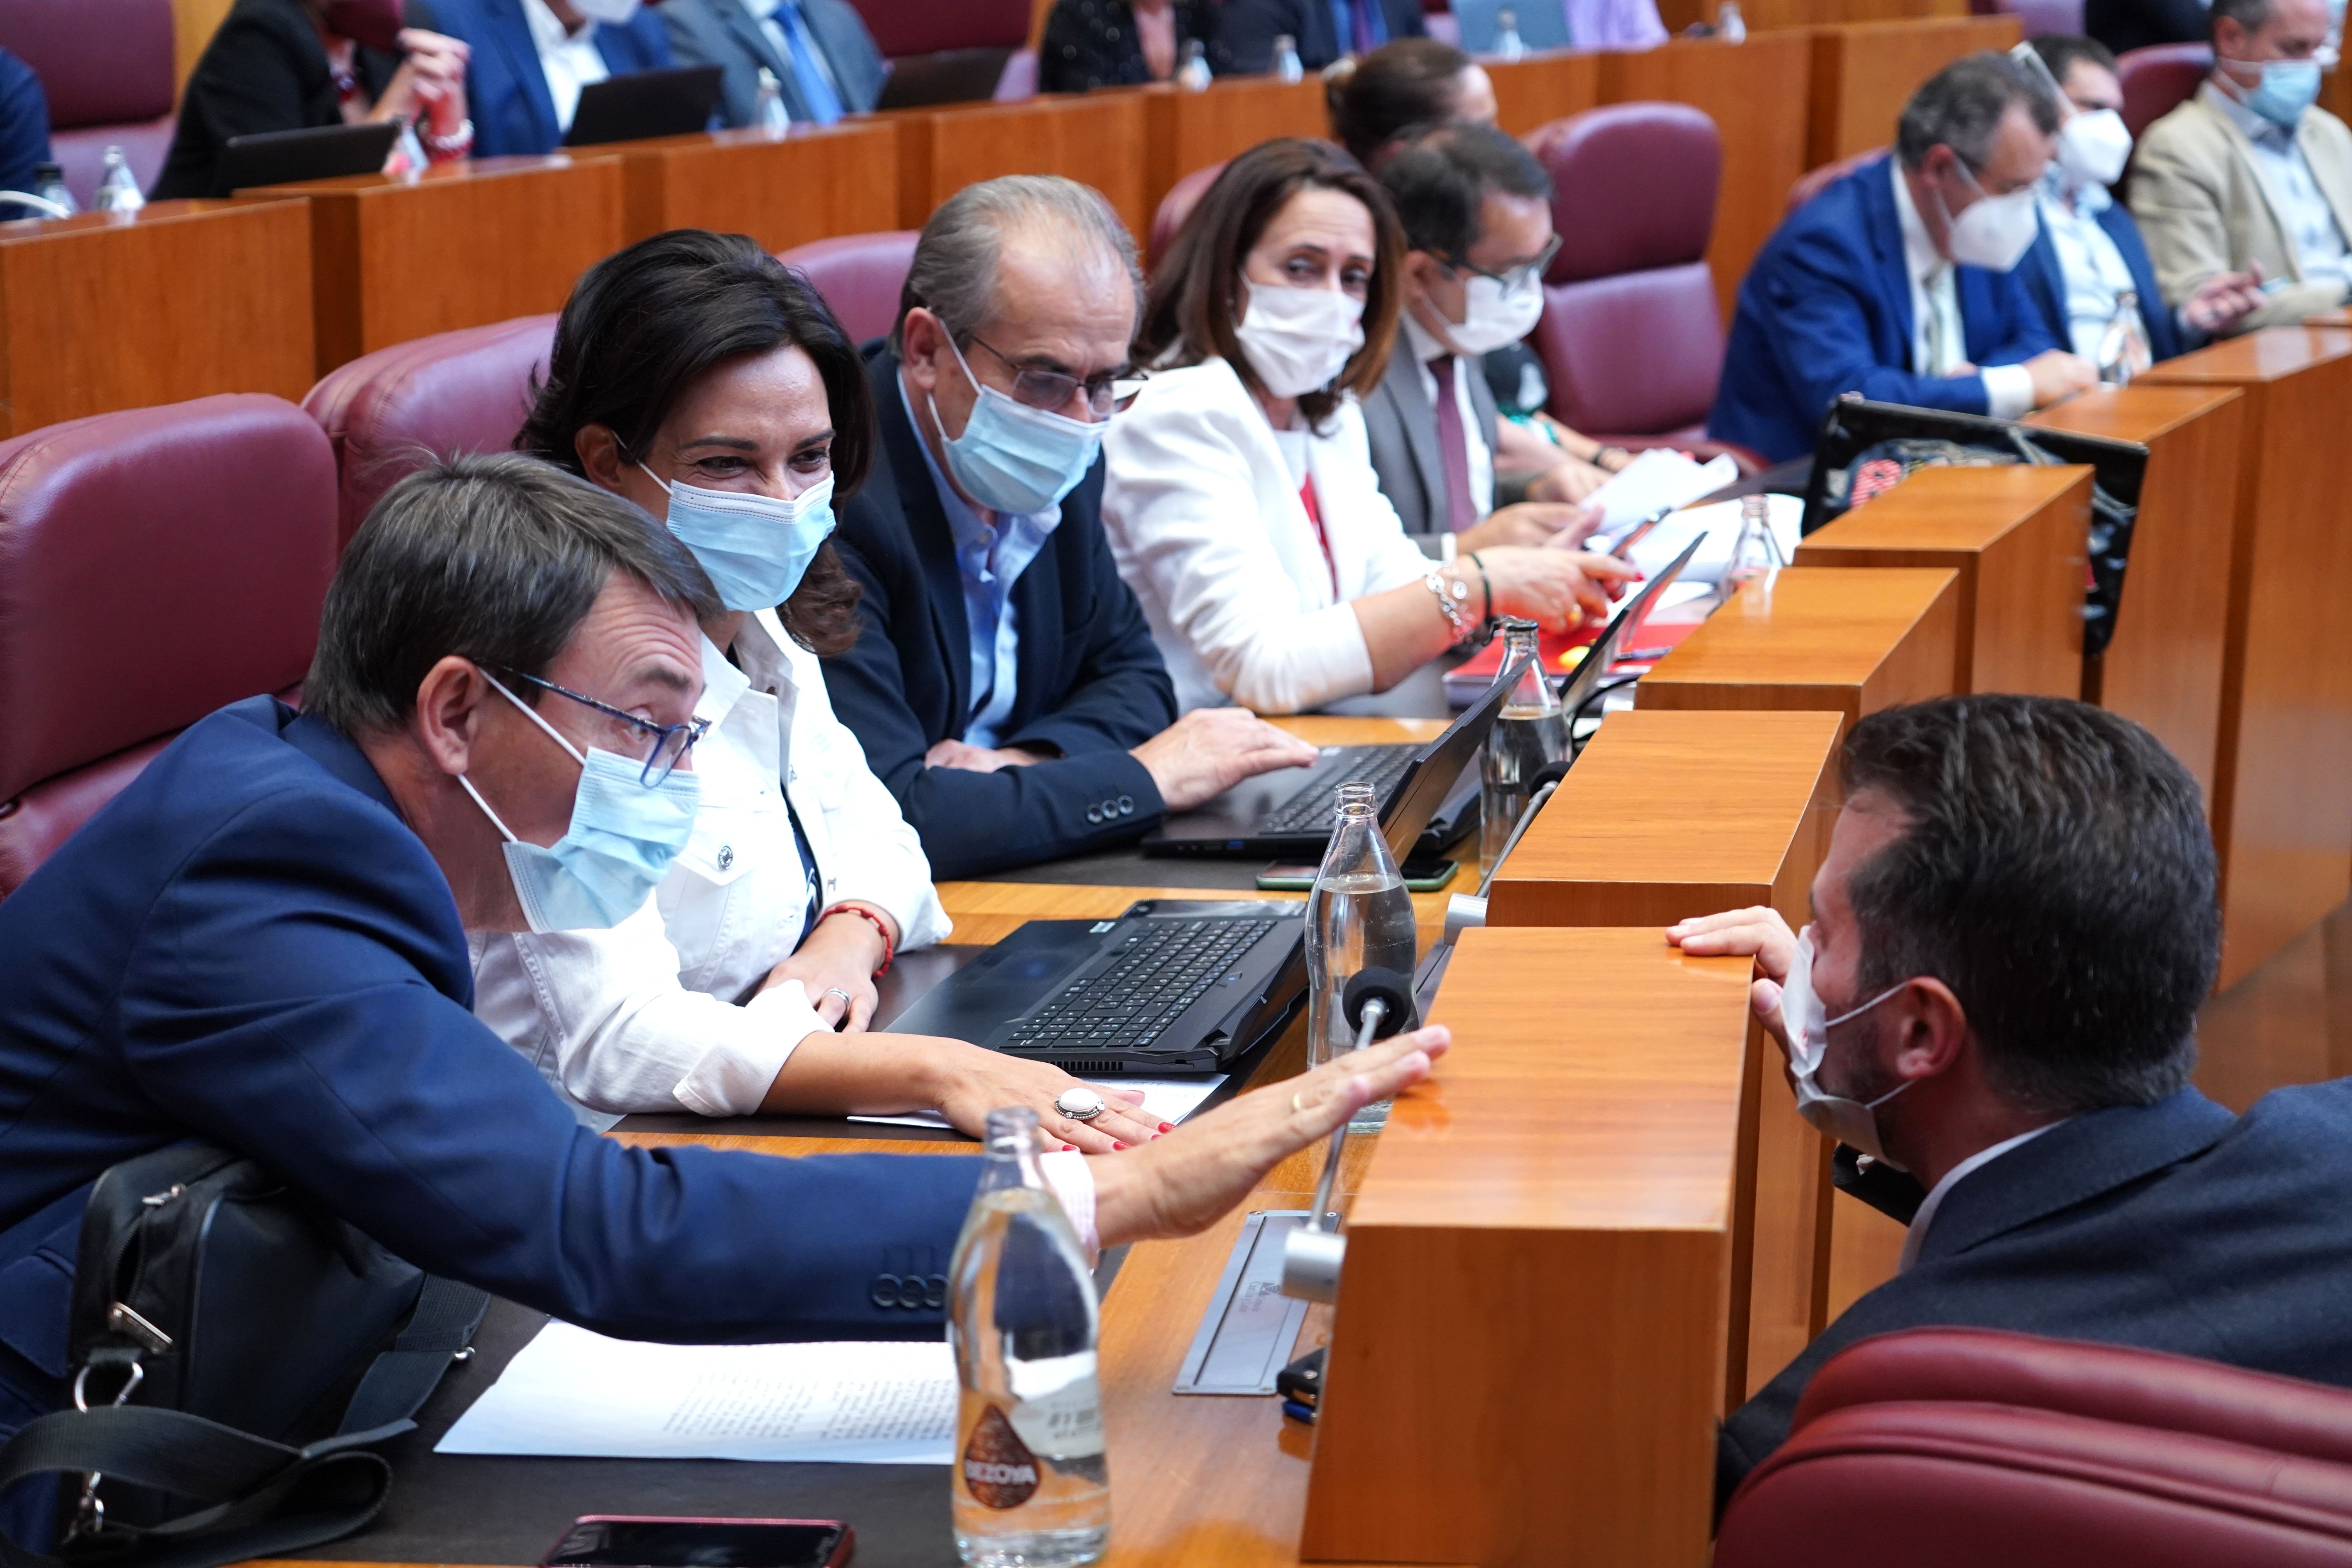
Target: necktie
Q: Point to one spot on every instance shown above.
(1939, 351)
(1453, 447)
(808, 67)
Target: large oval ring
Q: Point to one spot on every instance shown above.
(1081, 1104)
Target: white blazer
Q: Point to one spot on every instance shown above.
(1209, 530)
(643, 1016)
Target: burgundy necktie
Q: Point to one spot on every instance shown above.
(1454, 447)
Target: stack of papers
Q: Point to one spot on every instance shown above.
(1654, 480)
(1165, 1100)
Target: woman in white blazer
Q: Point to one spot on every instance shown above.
(1240, 497)
(698, 377)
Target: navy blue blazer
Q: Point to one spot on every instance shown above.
(2045, 284)
(506, 86)
(1092, 681)
(2175, 1227)
(247, 945)
(1826, 309)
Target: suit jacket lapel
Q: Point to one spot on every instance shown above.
(1419, 419)
(2045, 282)
(754, 38)
(928, 533)
(513, 40)
(2333, 178)
(2243, 150)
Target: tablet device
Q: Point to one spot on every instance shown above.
(641, 104)
(291, 157)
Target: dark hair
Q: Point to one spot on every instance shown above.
(1440, 182)
(494, 558)
(2060, 51)
(2253, 16)
(1400, 85)
(1196, 291)
(646, 322)
(2055, 871)
(1962, 105)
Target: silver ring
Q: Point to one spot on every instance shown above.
(1081, 1104)
(837, 990)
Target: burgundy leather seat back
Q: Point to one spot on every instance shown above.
(923, 26)
(1630, 336)
(1971, 1446)
(1819, 180)
(106, 68)
(1175, 207)
(467, 391)
(154, 565)
(2160, 79)
(860, 276)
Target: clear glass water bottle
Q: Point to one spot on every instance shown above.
(1192, 74)
(1508, 44)
(2123, 345)
(768, 111)
(407, 158)
(118, 191)
(1756, 553)
(1359, 916)
(1729, 24)
(49, 185)
(1286, 60)
(1531, 731)
(1031, 1485)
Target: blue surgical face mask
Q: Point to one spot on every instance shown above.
(623, 837)
(755, 548)
(2289, 86)
(1014, 458)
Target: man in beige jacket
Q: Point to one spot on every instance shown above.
(2250, 175)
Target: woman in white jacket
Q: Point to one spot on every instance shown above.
(1240, 496)
(698, 377)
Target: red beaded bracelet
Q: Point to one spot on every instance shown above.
(890, 948)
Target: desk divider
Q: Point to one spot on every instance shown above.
(783, 188)
(1098, 139)
(1863, 73)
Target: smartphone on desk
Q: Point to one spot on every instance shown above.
(618, 1541)
(1422, 874)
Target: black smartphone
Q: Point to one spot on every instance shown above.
(615, 1541)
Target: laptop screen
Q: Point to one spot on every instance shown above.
(1622, 627)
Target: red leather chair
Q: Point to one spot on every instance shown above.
(860, 275)
(154, 565)
(106, 68)
(1175, 207)
(1630, 336)
(466, 391)
(1944, 1448)
(2160, 79)
(1819, 180)
(953, 51)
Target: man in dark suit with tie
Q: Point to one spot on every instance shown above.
(1322, 30)
(823, 57)
(1995, 1010)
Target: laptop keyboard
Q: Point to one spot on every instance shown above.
(1309, 811)
(1161, 968)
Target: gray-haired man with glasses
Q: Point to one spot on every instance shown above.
(1006, 687)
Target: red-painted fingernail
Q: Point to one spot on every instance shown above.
(1117, 1146)
(1069, 1148)
(1168, 1127)
(1155, 1137)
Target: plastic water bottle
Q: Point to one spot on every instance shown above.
(768, 111)
(2123, 343)
(1192, 75)
(1359, 916)
(1031, 1485)
(1729, 24)
(1286, 60)
(118, 192)
(1756, 553)
(1508, 44)
(407, 159)
(1531, 731)
(49, 185)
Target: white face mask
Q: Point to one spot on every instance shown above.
(1493, 315)
(2094, 147)
(1992, 232)
(1850, 1122)
(1299, 340)
(611, 13)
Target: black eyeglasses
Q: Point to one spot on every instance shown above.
(669, 743)
(1051, 390)
(1513, 279)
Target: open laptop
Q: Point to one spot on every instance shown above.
(639, 104)
(291, 157)
(1618, 635)
(1172, 986)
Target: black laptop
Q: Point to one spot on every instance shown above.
(640, 104)
(1172, 986)
(1617, 638)
(291, 157)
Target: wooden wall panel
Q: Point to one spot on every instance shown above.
(810, 182)
(194, 23)
(1543, 87)
(1864, 72)
(1189, 131)
(1099, 139)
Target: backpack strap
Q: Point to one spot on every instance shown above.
(439, 1327)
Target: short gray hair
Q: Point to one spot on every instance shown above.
(1962, 105)
(954, 275)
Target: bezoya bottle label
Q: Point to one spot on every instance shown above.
(1061, 1420)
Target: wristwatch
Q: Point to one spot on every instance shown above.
(1451, 594)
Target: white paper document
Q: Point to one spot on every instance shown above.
(575, 1394)
(1719, 523)
(1656, 478)
(1165, 1100)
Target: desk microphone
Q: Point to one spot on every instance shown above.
(1379, 1003)
(1464, 910)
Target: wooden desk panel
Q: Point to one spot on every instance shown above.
(1098, 139)
(184, 300)
(462, 244)
(2163, 668)
(2282, 815)
(2019, 538)
(1189, 131)
(1543, 87)
(784, 189)
(1863, 73)
(1526, 1364)
(1757, 94)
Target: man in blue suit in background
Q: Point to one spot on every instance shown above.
(823, 57)
(531, 58)
(1897, 281)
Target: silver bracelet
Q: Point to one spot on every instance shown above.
(1450, 593)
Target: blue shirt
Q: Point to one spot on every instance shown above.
(989, 558)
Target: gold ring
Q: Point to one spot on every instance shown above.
(1294, 1100)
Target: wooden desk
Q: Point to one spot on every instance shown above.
(2018, 537)
(1863, 73)
(1543, 87)
(787, 188)
(1757, 94)
(1849, 641)
(1099, 139)
(463, 244)
(2163, 667)
(1189, 130)
(2282, 815)
(183, 300)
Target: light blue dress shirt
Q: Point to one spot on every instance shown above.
(2302, 207)
(2096, 276)
(990, 560)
